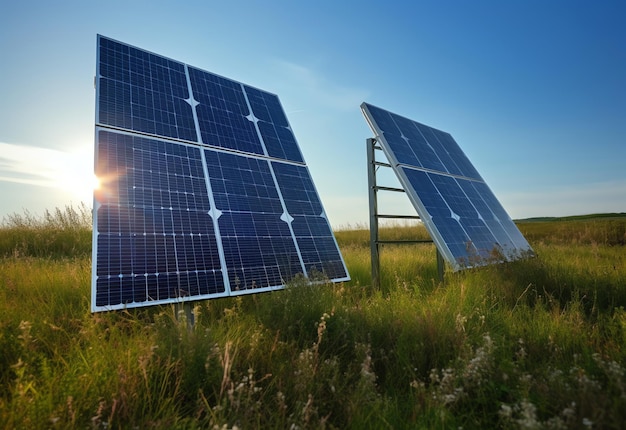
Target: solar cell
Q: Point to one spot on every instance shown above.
(223, 113)
(143, 92)
(309, 223)
(273, 126)
(258, 245)
(464, 218)
(204, 189)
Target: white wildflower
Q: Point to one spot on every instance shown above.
(528, 419)
(460, 323)
(505, 411)
(521, 352)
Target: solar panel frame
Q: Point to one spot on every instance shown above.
(465, 220)
(194, 212)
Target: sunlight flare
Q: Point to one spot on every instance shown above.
(67, 171)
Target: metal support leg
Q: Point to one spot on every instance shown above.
(440, 265)
(186, 309)
(371, 180)
(375, 241)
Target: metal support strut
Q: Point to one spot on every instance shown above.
(375, 242)
(185, 309)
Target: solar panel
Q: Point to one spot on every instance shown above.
(204, 191)
(464, 218)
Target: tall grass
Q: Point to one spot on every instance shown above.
(582, 231)
(538, 343)
(59, 233)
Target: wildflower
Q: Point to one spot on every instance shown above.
(505, 411)
(417, 384)
(528, 417)
(479, 365)
(526, 378)
(521, 352)
(452, 397)
(366, 367)
(25, 327)
(446, 392)
(460, 323)
(434, 376)
(613, 369)
(280, 397)
(570, 410)
(555, 374)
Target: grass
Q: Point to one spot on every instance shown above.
(538, 343)
(60, 233)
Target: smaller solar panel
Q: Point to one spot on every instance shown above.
(465, 219)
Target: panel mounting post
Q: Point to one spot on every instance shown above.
(185, 309)
(373, 202)
(375, 241)
(440, 265)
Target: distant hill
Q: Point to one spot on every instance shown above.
(575, 217)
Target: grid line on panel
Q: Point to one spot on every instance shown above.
(418, 145)
(273, 125)
(258, 245)
(143, 92)
(223, 113)
(310, 226)
(154, 235)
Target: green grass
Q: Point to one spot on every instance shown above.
(538, 343)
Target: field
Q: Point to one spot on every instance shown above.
(539, 343)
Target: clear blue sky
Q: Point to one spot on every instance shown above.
(534, 91)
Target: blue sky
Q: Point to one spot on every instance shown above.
(534, 92)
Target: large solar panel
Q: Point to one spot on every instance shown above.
(464, 218)
(204, 192)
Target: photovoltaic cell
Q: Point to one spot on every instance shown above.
(204, 190)
(143, 92)
(465, 219)
(223, 113)
(310, 226)
(258, 245)
(273, 125)
(154, 238)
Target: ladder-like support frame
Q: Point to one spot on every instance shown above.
(375, 242)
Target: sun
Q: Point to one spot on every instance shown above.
(95, 182)
(80, 185)
(77, 177)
